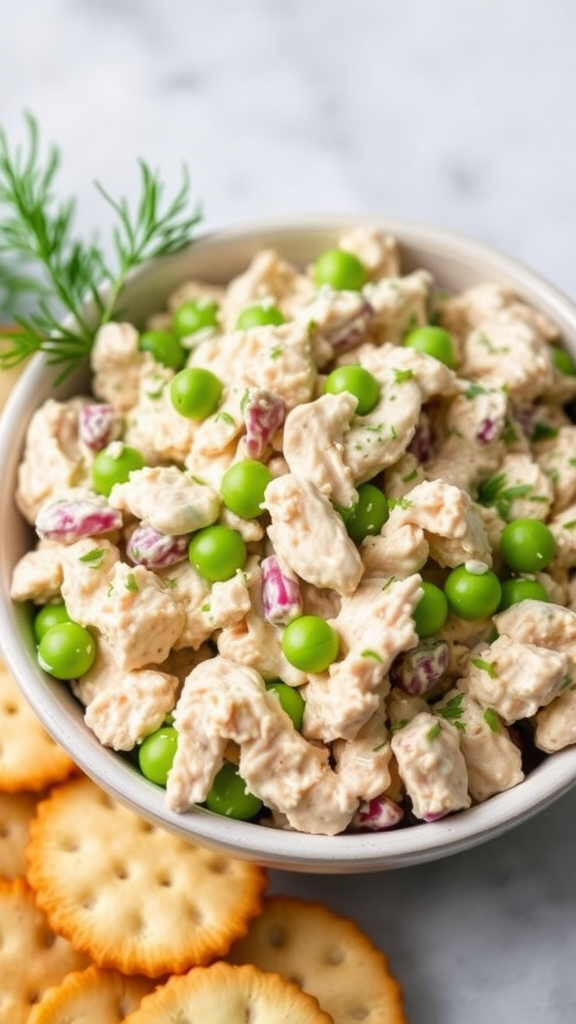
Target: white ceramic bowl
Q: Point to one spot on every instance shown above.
(456, 262)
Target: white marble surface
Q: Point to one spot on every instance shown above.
(456, 114)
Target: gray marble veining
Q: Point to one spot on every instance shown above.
(456, 114)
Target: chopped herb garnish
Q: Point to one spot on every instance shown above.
(569, 525)
(226, 417)
(542, 432)
(372, 654)
(245, 399)
(204, 607)
(94, 558)
(484, 340)
(131, 583)
(474, 389)
(275, 352)
(453, 711)
(485, 666)
(170, 583)
(399, 503)
(110, 590)
(434, 732)
(509, 434)
(566, 682)
(410, 476)
(393, 432)
(494, 492)
(491, 719)
(376, 750)
(401, 375)
(396, 726)
(389, 583)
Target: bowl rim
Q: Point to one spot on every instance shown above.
(348, 852)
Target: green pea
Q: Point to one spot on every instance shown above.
(242, 488)
(472, 595)
(359, 382)
(563, 361)
(340, 269)
(431, 612)
(195, 393)
(290, 700)
(217, 552)
(195, 315)
(310, 643)
(527, 545)
(165, 347)
(67, 651)
(113, 465)
(516, 590)
(48, 616)
(156, 754)
(230, 797)
(433, 341)
(368, 515)
(259, 315)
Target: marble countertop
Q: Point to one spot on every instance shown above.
(458, 115)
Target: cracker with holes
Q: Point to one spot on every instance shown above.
(326, 954)
(29, 757)
(94, 995)
(16, 812)
(223, 994)
(32, 958)
(130, 895)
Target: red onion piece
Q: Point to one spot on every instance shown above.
(488, 431)
(421, 443)
(264, 414)
(378, 814)
(146, 546)
(98, 424)
(281, 598)
(418, 670)
(69, 520)
(350, 332)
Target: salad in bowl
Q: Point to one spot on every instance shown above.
(288, 555)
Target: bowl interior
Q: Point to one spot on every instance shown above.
(456, 263)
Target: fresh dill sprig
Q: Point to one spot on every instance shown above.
(60, 274)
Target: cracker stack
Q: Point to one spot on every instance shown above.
(106, 918)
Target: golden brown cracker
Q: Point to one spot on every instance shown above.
(223, 994)
(130, 895)
(32, 958)
(328, 955)
(29, 758)
(93, 996)
(16, 812)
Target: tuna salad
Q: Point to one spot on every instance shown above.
(306, 553)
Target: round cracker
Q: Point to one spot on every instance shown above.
(94, 995)
(328, 955)
(130, 895)
(223, 994)
(16, 812)
(32, 958)
(29, 758)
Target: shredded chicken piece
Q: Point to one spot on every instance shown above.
(223, 701)
(309, 537)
